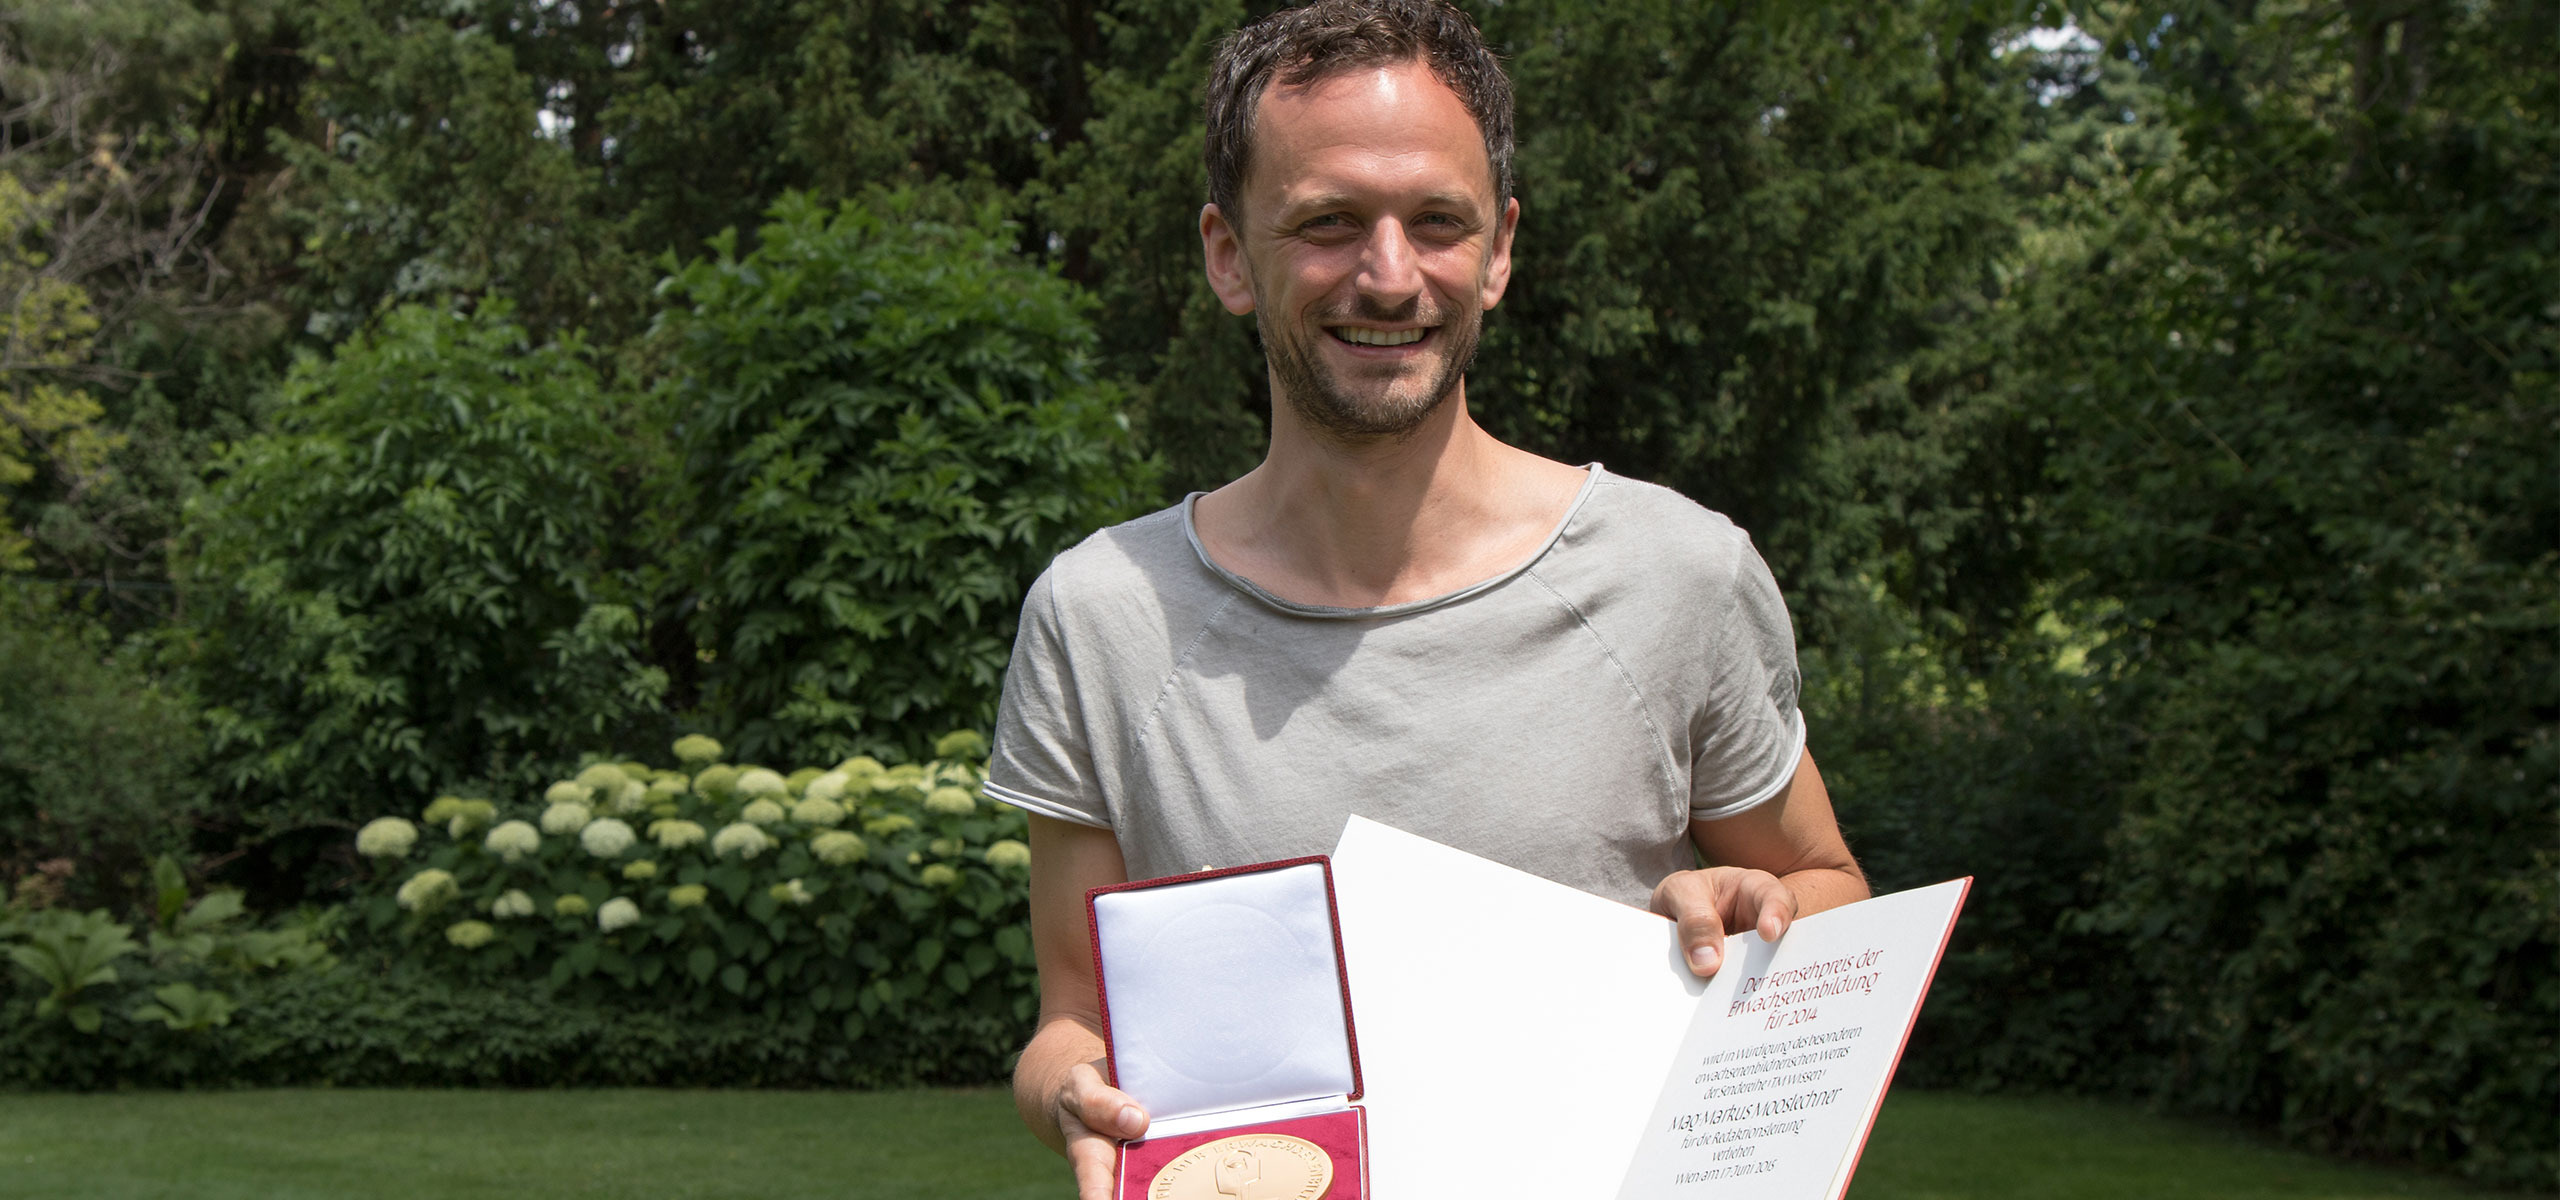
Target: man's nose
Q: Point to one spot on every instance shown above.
(1390, 276)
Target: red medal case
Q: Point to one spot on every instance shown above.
(1226, 1010)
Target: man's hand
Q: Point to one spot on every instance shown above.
(1094, 1118)
(1780, 860)
(1703, 904)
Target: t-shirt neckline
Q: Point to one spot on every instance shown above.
(1191, 531)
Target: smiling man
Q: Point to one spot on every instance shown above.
(1395, 615)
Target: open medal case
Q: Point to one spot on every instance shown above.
(1227, 1013)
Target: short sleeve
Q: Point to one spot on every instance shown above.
(1042, 760)
(1750, 733)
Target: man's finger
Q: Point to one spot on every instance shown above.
(1761, 899)
(1095, 1166)
(1689, 899)
(1100, 1107)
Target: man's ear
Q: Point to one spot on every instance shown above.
(1222, 251)
(1497, 265)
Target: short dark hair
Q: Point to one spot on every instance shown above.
(1328, 37)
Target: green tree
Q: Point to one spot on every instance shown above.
(438, 172)
(2308, 366)
(136, 139)
(49, 426)
(407, 584)
(892, 425)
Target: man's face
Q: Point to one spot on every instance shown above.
(1368, 249)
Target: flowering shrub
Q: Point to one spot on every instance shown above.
(860, 895)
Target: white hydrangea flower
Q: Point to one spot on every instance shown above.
(1006, 852)
(571, 905)
(607, 838)
(386, 837)
(675, 834)
(687, 895)
(761, 812)
(617, 913)
(603, 777)
(950, 802)
(442, 809)
(792, 892)
(664, 791)
(816, 812)
(512, 840)
(470, 935)
(427, 889)
(938, 875)
(469, 815)
(514, 903)
(741, 839)
(716, 780)
(626, 798)
(836, 848)
(759, 782)
(830, 786)
(883, 826)
(569, 791)
(566, 817)
(693, 749)
(639, 870)
(860, 771)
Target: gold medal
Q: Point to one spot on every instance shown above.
(1253, 1166)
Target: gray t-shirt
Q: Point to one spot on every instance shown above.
(1568, 717)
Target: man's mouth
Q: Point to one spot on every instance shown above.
(1377, 337)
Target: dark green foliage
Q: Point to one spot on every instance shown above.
(135, 128)
(85, 1004)
(2317, 379)
(2014, 778)
(97, 755)
(1124, 193)
(371, 1023)
(432, 178)
(405, 586)
(1739, 226)
(892, 426)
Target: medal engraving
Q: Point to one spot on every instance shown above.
(1253, 1166)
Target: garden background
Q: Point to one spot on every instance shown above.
(435, 409)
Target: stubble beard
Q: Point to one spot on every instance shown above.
(1320, 399)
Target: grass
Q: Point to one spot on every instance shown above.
(1942, 1146)
(952, 1144)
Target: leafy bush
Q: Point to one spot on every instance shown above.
(865, 899)
(2011, 777)
(405, 585)
(2312, 384)
(97, 757)
(528, 958)
(88, 1006)
(893, 426)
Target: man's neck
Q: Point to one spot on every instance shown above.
(1365, 524)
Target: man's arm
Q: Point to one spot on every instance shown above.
(1779, 860)
(1059, 1085)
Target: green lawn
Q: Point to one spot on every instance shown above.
(933, 1145)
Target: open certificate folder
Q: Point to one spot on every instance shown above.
(1521, 1038)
